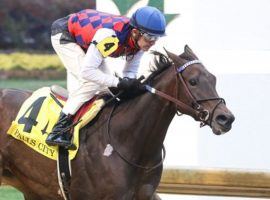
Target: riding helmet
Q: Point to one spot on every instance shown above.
(150, 20)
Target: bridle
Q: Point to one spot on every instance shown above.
(194, 106)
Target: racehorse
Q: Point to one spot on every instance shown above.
(135, 128)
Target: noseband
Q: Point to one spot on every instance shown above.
(194, 105)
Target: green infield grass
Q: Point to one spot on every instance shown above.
(9, 193)
(29, 84)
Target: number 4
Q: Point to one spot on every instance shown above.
(30, 121)
(108, 46)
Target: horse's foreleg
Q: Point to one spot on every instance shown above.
(156, 197)
(147, 192)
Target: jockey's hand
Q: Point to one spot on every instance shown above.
(130, 84)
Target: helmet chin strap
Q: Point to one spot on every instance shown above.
(136, 38)
(132, 38)
(136, 44)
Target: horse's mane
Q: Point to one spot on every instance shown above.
(162, 62)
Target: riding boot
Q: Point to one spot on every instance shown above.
(60, 134)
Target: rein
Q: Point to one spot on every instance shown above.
(112, 146)
(195, 106)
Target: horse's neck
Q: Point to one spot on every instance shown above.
(148, 118)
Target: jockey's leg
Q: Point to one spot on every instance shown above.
(80, 90)
(72, 57)
(60, 135)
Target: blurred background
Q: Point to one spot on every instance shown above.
(25, 25)
(232, 38)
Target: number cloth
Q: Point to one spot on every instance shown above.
(37, 117)
(107, 46)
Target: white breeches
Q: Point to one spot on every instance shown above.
(80, 90)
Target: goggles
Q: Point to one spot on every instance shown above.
(150, 38)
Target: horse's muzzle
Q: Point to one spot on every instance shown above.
(222, 123)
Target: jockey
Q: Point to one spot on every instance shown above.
(83, 40)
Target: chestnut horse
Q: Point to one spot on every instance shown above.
(135, 128)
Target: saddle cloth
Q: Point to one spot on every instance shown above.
(38, 115)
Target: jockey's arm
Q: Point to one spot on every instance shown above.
(131, 67)
(93, 59)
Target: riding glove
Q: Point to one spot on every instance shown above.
(130, 84)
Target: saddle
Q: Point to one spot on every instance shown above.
(62, 94)
(40, 112)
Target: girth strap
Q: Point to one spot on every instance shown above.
(64, 172)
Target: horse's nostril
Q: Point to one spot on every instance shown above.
(225, 120)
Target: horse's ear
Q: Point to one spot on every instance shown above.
(190, 52)
(172, 56)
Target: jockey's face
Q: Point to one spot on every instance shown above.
(143, 41)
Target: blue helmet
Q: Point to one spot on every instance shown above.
(150, 20)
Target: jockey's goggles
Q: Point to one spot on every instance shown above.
(148, 37)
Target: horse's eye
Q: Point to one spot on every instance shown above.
(193, 82)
